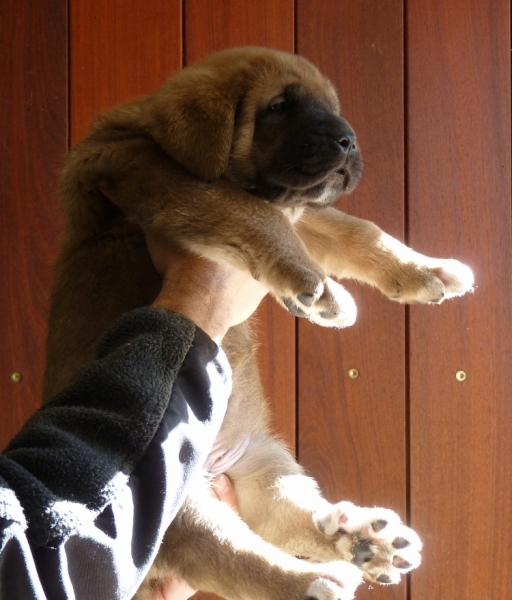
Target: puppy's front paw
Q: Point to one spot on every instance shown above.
(456, 277)
(434, 282)
(374, 539)
(305, 291)
(337, 581)
(407, 276)
(334, 307)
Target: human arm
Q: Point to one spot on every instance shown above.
(101, 470)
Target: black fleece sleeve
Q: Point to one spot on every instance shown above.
(90, 484)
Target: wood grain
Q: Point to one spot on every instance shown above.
(459, 183)
(211, 26)
(352, 431)
(119, 50)
(33, 105)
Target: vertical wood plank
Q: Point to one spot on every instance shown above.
(459, 183)
(352, 431)
(211, 26)
(119, 50)
(33, 130)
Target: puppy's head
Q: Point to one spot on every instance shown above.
(265, 119)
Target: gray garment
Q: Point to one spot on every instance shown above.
(93, 480)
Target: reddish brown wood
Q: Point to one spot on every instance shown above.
(33, 63)
(352, 431)
(459, 183)
(212, 26)
(119, 49)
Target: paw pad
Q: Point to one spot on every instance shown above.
(333, 307)
(379, 525)
(373, 539)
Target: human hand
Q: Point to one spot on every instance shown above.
(176, 588)
(215, 296)
(223, 490)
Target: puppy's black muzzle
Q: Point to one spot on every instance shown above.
(305, 147)
(323, 144)
(348, 143)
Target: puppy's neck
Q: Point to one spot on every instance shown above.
(293, 213)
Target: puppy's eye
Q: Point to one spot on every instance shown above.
(277, 104)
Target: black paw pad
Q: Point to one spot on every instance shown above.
(401, 563)
(329, 314)
(379, 525)
(383, 579)
(399, 543)
(321, 526)
(306, 299)
(439, 298)
(293, 308)
(363, 552)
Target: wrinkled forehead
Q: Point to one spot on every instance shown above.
(291, 77)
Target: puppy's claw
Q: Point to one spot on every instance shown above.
(306, 299)
(335, 307)
(293, 308)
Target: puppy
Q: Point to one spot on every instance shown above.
(238, 159)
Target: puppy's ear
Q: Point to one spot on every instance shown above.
(192, 117)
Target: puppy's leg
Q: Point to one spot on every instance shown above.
(210, 547)
(217, 220)
(351, 248)
(285, 507)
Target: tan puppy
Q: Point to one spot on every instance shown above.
(238, 158)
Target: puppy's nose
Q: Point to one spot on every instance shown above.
(348, 143)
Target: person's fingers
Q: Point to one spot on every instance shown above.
(223, 489)
(174, 588)
(215, 295)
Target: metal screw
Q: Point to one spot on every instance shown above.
(460, 375)
(16, 377)
(353, 373)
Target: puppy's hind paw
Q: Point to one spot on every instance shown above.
(337, 581)
(324, 589)
(374, 539)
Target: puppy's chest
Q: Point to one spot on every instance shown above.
(293, 213)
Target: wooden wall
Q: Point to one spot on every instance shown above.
(426, 86)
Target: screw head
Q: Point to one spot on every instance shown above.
(16, 377)
(353, 373)
(460, 376)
